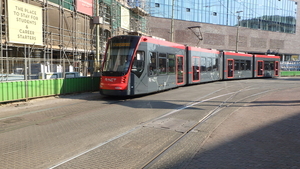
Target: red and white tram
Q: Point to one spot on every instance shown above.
(135, 65)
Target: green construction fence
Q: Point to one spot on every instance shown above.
(290, 73)
(23, 90)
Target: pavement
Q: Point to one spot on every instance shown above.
(262, 134)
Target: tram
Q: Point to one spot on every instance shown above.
(135, 65)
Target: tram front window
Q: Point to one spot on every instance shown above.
(119, 55)
(117, 62)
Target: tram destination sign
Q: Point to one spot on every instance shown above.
(121, 44)
(24, 23)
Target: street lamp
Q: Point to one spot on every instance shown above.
(237, 31)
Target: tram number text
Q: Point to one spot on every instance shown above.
(110, 79)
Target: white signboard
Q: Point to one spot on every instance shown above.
(125, 18)
(25, 23)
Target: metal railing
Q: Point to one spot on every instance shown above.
(17, 69)
(290, 65)
(290, 68)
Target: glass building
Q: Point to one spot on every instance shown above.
(270, 15)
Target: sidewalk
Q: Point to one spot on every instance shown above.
(264, 134)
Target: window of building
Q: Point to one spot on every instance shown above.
(269, 15)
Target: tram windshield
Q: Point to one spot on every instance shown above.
(119, 54)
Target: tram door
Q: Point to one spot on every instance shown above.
(230, 68)
(179, 69)
(276, 68)
(260, 68)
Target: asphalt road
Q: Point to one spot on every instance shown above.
(161, 130)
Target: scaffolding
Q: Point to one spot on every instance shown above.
(139, 21)
(72, 41)
(137, 16)
(68, 43)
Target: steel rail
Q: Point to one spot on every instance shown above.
(206, 117)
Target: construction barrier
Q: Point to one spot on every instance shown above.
(290, 73)
(24, 90)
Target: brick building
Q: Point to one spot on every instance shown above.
(268, 26)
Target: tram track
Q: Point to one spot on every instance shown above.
(116, 136)
(217, 109)
(226, 103)
(198, 101)
(131, 130)
(21, 119)
(254, 92)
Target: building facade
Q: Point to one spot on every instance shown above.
(47, 38)
(255, 26)
(43, 39)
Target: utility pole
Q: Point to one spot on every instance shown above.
(237, 31)
(172, 23)
(97, 36)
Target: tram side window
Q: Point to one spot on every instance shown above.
(162, 60)
(203, 64)
(180, 69)
(276, 68)
(267, 66)
(215, 64)
(260, 68)
(138, 63)
(272, 65)
(152, 66)
(196, 68)
(209, 64)
(243, 66)
(171, 64)
(248, 65)
(236, 64)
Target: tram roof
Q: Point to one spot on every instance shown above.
(267, 56)
(238, 54)
(203, 50)
(162, 42)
